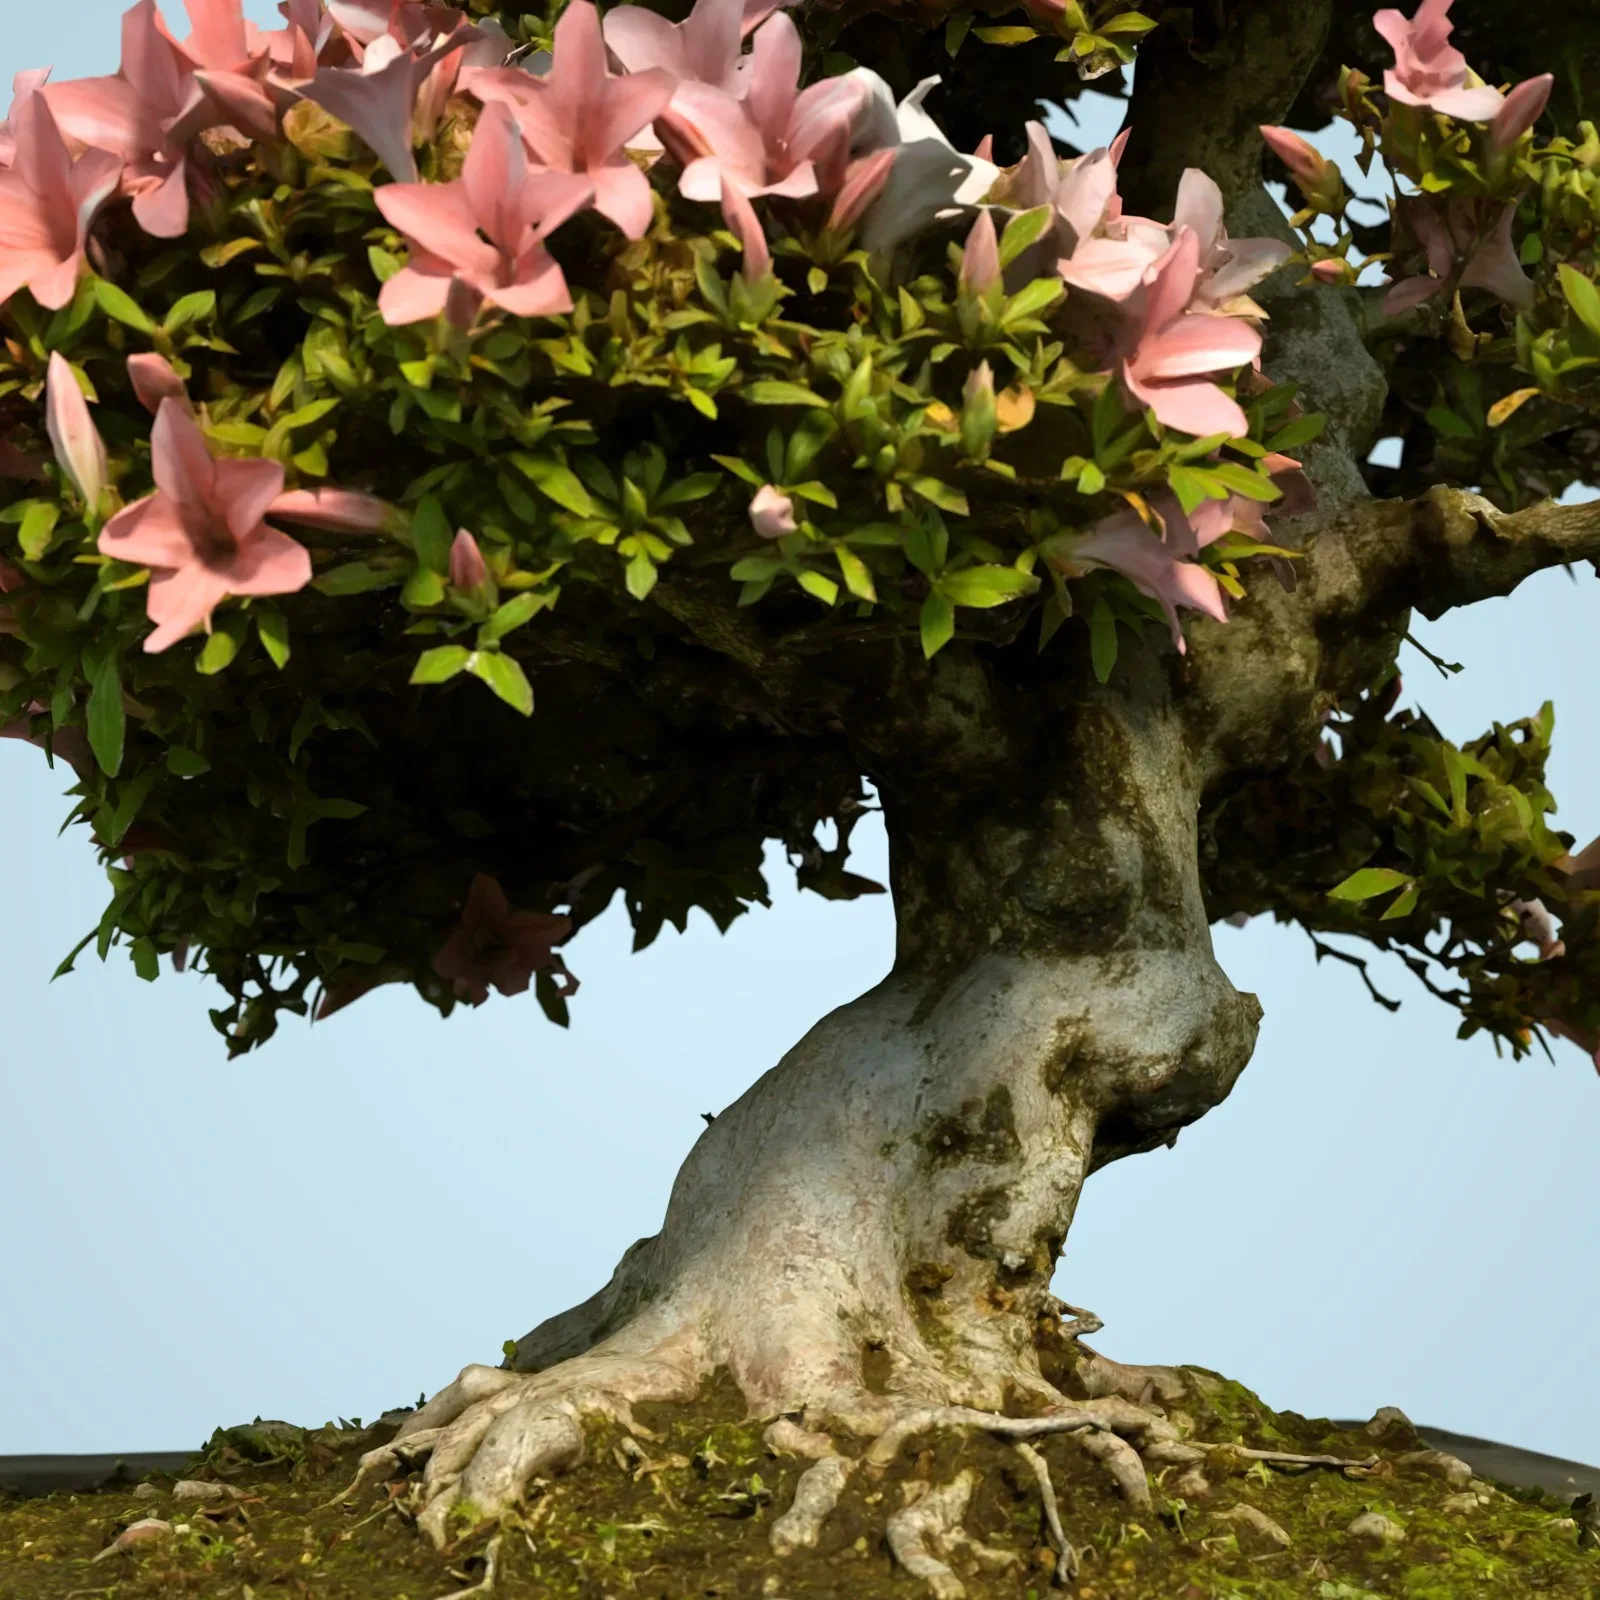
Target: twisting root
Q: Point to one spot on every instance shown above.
(887, 1445)
(385, 1459)
(928, 1525)
(815, 1496)
(486, 1582)
(1066, 1557)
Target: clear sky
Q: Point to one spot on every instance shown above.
(1379, 1215)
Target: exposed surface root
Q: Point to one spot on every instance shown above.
(815, 1496)
(920, 1533)
(1067, 1563)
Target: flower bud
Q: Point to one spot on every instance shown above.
(80, 452)
(1523, 107)
(772, 513)
(979, 414)
(980, 258)
(467, 567)
(1331, 270)
(1314, 175)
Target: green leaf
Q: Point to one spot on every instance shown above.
(1368, 882)
(1443, 420)
(219, 651)
(1130, 22)
(1091, 480)
(1023, 230)
(556, 482)
(511, 616)
(1298, 431)
(641, 575)
(857, 575)
(741, 470)
(38, 528)
(1582, 296)
(440, 664)
(772, 392)
(355, 577)
(943, 495)
(191, 308)
(1402, 905)
(1102, 640)
(145, 960)
(505, 677)
(1242, 480)
(432, 535)
(384, 263)
(1032, 298)
(122, 307)
(185, 763)
(1013, 33)
(818, 585)
(938, 624)
(1192, 486)
(273, 629)
(107, 722)
(983, 587)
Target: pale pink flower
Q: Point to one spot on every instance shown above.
(578, 117)
(772, 513)
(468, 570)
(47, 202)
(1165, 353)
(1524, 106)
(1228, 267)
(496, 947)
(203, 532)
(1474, 231)
(154, 379)
(778, 139)
(1428, 70)
(1124, 544)
(704, 48)
(79, 449)
(980, 257)
(482, 236)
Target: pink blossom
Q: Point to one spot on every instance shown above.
(1524, 106)
(1165, 352)
(741, 217)
(154, 379)
(1153, 565)
(482, 236)
(47, 202)
(468, 569)
(496, 947)
(79, 449)
(26, 83)
(980, 257)
(865, 179)
(203, 532)
(779, 139)
(578, 117)
(1428, 70)
(1228, 267)
(772, 513)
(398, 88)
(1475, 231)
(704, 48)
(337, 510)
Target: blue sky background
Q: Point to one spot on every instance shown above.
(1379, 1214)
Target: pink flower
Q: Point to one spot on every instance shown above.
(1164, 352)
(772, 513)
(980, 257)
(703, 48)
(381, 97)
(741, 217)
(778, 139)
(578, 117)
(482, 235)
(1154, 566)
(26, 83)
(47, 202)
(1428, 70)
(1474, 231)
(467, 567)
(496, 947)
(1524, 106)
(1317, 178)
(154, 380)
(203, 532)
(1228, 267)
(80, 451)
(865, 179)
(338, 510)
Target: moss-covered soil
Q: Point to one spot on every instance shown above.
(691, 1519)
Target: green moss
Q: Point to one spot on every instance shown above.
(692, 1519)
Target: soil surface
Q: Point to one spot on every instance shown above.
(689, 1519)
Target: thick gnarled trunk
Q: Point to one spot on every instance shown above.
(876, 1220)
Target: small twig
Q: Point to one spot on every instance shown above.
(1445, 667)
(1287, 1458)
(1358, 963)
(1066, 1556)
(887, 1445)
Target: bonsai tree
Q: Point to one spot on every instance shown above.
(463, 467)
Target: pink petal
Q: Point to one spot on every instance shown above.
(1110, 268)
(1200, 207)
(493, 174)
(1197, 343)
(538, 290)
(622, 193)
(741, 217)
(1172, 280)
(630, 104)
(241, 102)
(180, 462)
(1409, 292)
(641, 39)
(163, 211)
(218, 38)
(341, 510)
(865, 179)
(181, 600)
(467, 567)
(149, 533)
(711, 133)
(377, 106)
(107, 113)
(1470, 105)
(772, 78)
(79, 449)
(1194, 406)
(42, 160)
(154, 380)
(980, 256)
(772, 513)
(1523, 107)
(578, 72)
(56, 285)
(413, 296)
(243, 490)
(439, 218)
(1085, 192)
(270, 562)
